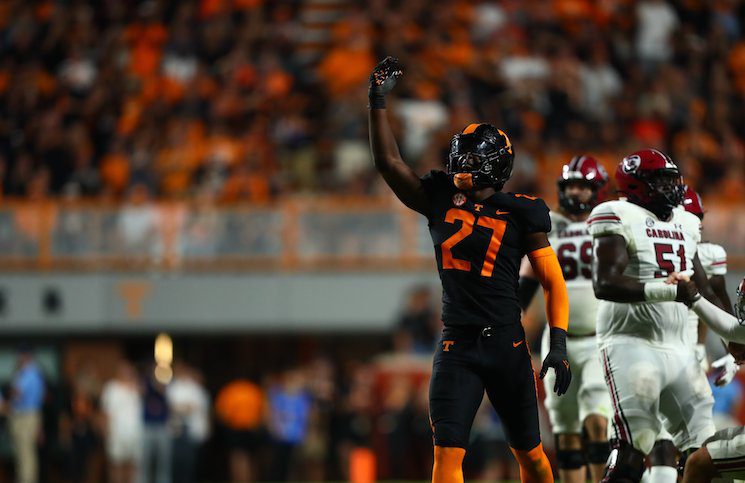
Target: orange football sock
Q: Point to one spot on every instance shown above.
(534, 465)
(448, 466)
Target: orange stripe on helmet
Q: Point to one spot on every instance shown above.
(471, 128)
(507, 139)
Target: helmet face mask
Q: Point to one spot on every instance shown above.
(666, 189)
(480, 157)
(740, 303)
(585, 171)
(651, 180)
(574, 204)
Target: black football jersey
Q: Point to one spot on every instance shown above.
(479, 246)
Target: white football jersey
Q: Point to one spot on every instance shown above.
(655, 248)
(713, 259)
(573, 246)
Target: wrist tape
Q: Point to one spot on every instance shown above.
(660, 292)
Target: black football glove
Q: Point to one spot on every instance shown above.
(382, 80)
(557, 358)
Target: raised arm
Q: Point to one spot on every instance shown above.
(386, 156)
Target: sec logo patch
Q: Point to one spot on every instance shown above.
(459, 199)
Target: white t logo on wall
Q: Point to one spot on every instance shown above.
(631, 163)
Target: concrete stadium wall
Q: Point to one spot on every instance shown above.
(145, 303)
(98, 303)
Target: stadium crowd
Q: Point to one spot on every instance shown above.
(247, 100)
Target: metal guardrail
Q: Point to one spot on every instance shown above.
(297, 234)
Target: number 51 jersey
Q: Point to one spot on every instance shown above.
(479, 246)
(655, 249)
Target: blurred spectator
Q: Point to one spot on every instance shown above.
(353, 424)
(727, 402)
(418, 322)
(157, 445)
(491, 459)
(321, 384)
(190, 414)
(289, 412)
(657, 20)
(121, 403)
(78, 426)
(239, 407)
(26, 399)
(396, 423)
(600, 84)
(138, 223)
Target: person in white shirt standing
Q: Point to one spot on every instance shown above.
(649, 366)
(585, 409)
(121, 402)
(190, 413)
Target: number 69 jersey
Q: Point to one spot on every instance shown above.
(573, 246)
(479, 246)
(655, 248)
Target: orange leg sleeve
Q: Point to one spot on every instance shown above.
(534, 465)
(448, 466)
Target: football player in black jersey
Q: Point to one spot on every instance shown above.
(480, 235)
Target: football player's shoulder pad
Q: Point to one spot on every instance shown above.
(531, 211)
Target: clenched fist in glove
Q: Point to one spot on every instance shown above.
(558, 359)
(382, 80)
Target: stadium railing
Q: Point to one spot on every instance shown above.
(311, 233)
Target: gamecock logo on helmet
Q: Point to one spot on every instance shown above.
(631, 163)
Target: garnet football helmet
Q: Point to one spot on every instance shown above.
(481, 156)
(651, 180)
(692, 203)
(584, 169)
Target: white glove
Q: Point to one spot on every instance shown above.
(703, 361)
(726, 370)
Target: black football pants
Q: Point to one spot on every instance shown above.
(470, 360)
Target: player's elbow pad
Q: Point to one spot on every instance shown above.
(546, 267)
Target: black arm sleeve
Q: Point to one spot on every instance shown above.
(526, 289)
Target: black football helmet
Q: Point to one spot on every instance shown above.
(481, 156)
